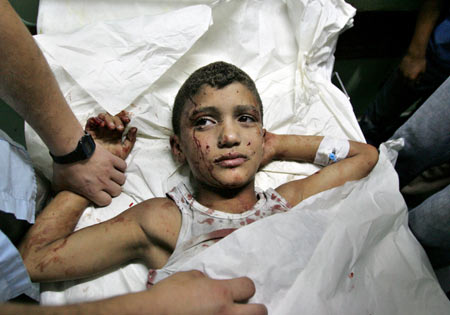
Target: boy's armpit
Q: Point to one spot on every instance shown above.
(160, 220)
(292, 191)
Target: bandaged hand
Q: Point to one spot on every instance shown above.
(107, 131)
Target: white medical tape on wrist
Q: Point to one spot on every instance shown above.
(331, 150)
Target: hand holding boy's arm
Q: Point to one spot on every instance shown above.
(29, 87)
(187, 293)
(49, 248)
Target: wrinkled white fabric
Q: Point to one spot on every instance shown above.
(345, 251)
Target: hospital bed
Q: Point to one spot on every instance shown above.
(344, 251)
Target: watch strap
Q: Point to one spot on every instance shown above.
(84, 150)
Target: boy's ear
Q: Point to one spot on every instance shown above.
(264, 136)
(176, 149)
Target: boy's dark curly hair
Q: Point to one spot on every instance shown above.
(217, 75)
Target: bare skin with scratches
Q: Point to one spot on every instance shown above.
(223, 141)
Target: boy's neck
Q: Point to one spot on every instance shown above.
(227, 200)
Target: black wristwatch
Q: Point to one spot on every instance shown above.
(83, 151)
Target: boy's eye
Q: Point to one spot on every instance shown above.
(246, 119)
(203, 122)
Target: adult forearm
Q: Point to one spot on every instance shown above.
(127, 304)
(30, 88)
(426, 21)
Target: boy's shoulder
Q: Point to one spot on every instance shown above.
(159, 217)
(159, 206)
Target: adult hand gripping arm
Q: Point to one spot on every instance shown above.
(29, 87)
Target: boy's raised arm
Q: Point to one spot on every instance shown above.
(51, 251)
(358, 163)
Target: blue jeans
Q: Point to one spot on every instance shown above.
(427, 144)
(382, 117)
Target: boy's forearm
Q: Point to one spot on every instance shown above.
(52, 251)
(296, 147)
(304, 148)
(56, 221)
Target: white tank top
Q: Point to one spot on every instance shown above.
(201, 227)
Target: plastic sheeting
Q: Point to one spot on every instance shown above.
(344, 251)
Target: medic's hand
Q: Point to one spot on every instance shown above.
(98, 178)
(412, 67)
(194, 293)
(270, 148)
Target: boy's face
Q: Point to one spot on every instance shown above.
(221, 136)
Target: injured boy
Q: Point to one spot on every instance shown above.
(218, 132)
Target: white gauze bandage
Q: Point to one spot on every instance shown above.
(331, 150)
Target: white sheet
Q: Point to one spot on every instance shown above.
(347, 250)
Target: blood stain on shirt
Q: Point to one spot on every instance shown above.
(248, 220)
(210, 221)
(276, 207)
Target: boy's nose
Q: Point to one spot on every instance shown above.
(229, 136)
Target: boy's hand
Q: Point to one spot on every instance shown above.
(107, 131)
(270, 148)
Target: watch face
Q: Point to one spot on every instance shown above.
(88, 145)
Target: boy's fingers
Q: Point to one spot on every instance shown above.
(130, 140)
(117, 123)
(101, 119)
(109, 121)
(124, 117)
(90, 124)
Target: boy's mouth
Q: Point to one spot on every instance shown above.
(231, 160)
